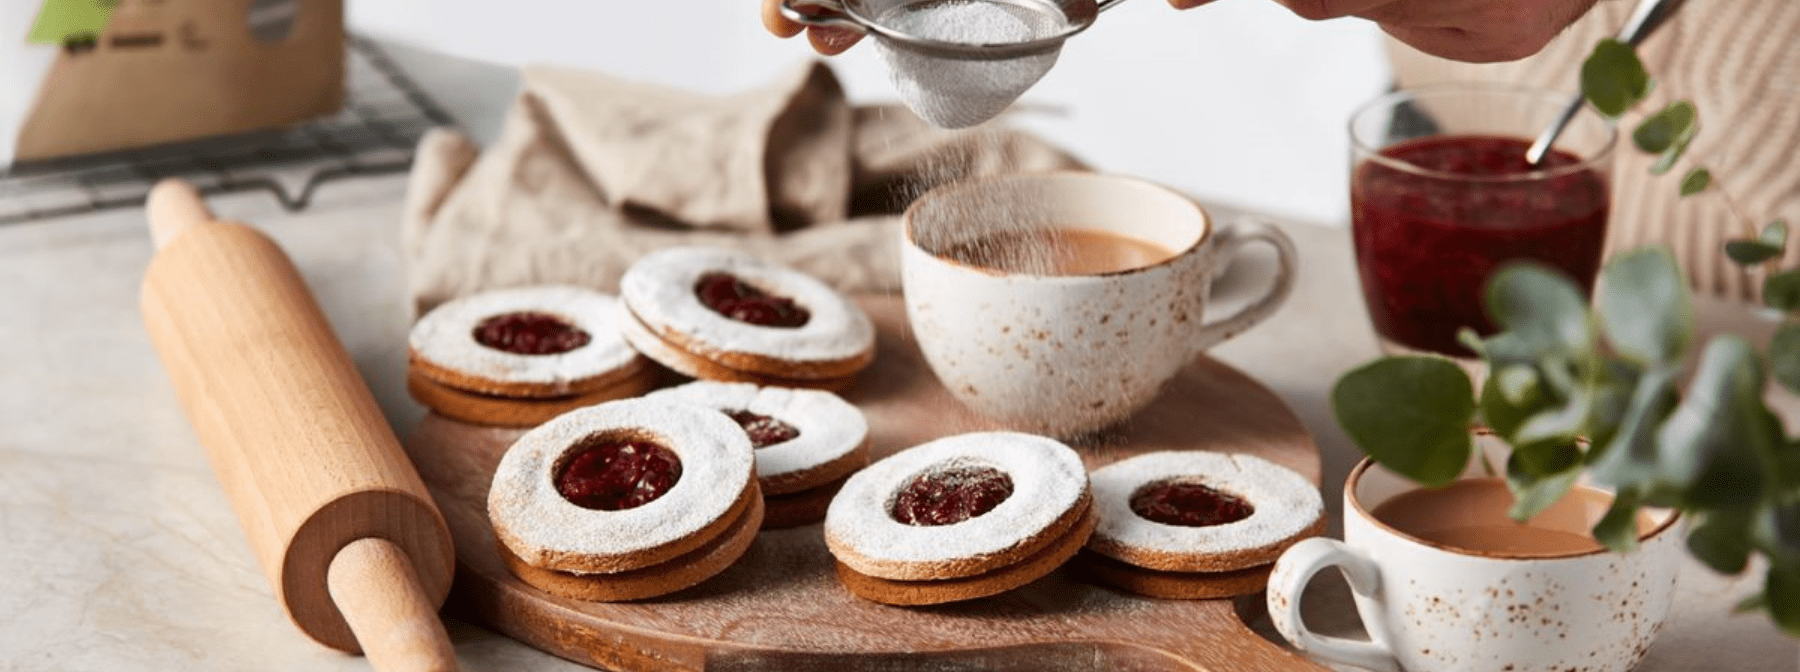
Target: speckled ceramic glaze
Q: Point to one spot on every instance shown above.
(1066, 354)
(1430, 609)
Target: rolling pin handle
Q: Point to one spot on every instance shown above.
(375, 587)
(174, 206)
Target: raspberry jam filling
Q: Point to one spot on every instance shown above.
(729, 295)
(609, 474)
(764, 431)
(530, 333)
(1188, 504)
(951, 496)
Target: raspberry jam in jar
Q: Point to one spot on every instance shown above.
(1434, 217)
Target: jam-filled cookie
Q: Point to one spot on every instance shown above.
(520, 356)
(719, 314)
(807, 442)
(626, 500)
(1196, 524)
(959, 518)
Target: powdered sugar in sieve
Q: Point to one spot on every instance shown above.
(952, 92)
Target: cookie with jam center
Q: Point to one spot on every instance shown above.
(625, 500)
(960, 517)
(518, 357)
(1196, 524)
(720, 314)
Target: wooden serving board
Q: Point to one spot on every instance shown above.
(781, 608)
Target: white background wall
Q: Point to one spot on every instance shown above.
(1238, 101)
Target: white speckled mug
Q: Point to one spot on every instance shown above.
(1432, 608)
(1064, 354)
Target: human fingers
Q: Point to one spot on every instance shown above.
(1478, 31)
(778, 25)
(1319, 10)
(830, 41)
(1187, 4)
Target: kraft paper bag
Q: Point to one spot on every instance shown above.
(166, 71)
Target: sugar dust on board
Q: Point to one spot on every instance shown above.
(1057, 250)
(1427, 241)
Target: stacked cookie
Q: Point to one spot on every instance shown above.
(959, 518)
(626, 500)
(719, 314)
(518, 357)
(807, 442)
(1196, 524)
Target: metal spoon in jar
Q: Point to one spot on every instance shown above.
(1646, 18)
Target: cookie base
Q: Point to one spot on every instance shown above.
(500, 411)
(1101, 570)
(670, 355)
(927, 592)
(799, 508)
(677, 573)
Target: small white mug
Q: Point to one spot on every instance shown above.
(1068, 354)
(1433, 608)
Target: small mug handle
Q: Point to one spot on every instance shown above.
(1230, 240)
(1288, 580)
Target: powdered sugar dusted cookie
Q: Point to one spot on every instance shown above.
(745, 314)
(1199, 511)
(621, 486)
(803, 438)
(528, 342)
(959, 517)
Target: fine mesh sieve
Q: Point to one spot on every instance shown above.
(949, 71)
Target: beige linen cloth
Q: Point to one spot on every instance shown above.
(590, 172)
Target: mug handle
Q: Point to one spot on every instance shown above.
(1288, 580)
(1231, 240)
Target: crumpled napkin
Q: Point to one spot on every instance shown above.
(590, 172)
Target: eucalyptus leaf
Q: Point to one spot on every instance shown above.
(1784, 356)
(1644, 306)
(1781, 596)
(1505, 412)
(1617, 530)
(1722, 542)
(1696, 181)
(1541, 308)
(1750, 252)
(1613, 78)
(1713, 444)
(1670, 156)
(1629, 459)
(1562, 422)
(1539, 474)
(1781, 291)
(1410, 414)
(1667, 127)
(1776, 530)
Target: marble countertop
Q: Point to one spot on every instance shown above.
(118, 550)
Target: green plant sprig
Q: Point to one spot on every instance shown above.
(1597, 389)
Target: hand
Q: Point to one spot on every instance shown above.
(825, 40)
(1476, 31)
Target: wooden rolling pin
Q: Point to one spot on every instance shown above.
(356, 551)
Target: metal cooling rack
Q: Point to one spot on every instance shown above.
(385, 113)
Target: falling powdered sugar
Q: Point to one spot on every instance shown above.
(952, 92)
